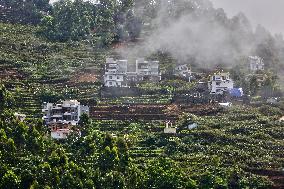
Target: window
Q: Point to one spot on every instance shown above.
(110, 77)
(218, 83)
(118, 77)
(110, 83)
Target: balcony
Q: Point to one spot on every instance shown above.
(56, 108)
(57, 115)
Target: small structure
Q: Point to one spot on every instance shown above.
(183, 71)
(220, 83)
(255, 63)
(272, 100)
(60, 130)
(236, 92)
(117, 74)
(192, 126)
(169, 128)
(67, 112)
(20, 117)
(225, 104)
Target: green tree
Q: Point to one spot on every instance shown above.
(6, 99)
(69, 21)
(133, 25)
(164, 173)
(123, 154)
(105, 23)
(253, 85)
(108, 160)
(22, 11)
(10, 180)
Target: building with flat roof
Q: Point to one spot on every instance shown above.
(220, 83)
(118, 75)
(68, 111)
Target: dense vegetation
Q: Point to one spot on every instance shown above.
(223, 152)
(54, 52)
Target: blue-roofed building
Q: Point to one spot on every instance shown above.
(236, 92)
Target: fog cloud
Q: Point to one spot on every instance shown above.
(198, 37)
(268, 13)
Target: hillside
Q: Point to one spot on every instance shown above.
(240, 144)
(58, 52)
(37, 70)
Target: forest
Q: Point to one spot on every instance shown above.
(53, 52)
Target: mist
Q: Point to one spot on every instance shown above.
(200, 36)
(268, 13)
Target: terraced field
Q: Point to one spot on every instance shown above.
(239, 139)
(56, 69)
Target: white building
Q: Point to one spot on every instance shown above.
(192, 126)
(20, 117)
(225, 104)
(255, 63)
(117, 74)
(148, 70)
(182, 70)
(169, 129)
(67, 112)
(219, 83)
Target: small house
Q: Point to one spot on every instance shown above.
(20, 117)
(61, 130)
(169, 129)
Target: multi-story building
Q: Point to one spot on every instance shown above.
(117, 74)
(148, 70)
(67, 112)
(255, 63)
(220, 83)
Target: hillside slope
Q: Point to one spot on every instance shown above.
(37, 70)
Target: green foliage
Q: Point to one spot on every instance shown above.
(70, 21)
(10, 180)
(164, 173)
(23, 12)
(193, 159)
(6, 99)
(136, 154)
(270, 111)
